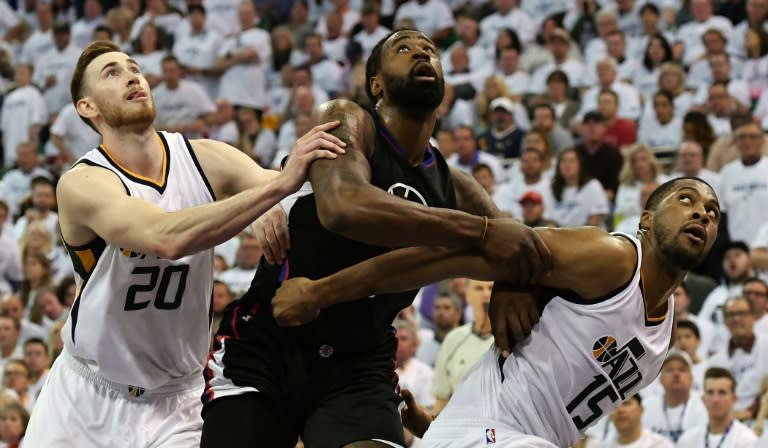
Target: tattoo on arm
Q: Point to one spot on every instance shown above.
(471, 197)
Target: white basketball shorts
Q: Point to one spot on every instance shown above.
(479, 434)
(77, 408)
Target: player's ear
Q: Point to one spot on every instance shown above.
(646, 219)
(376, 86)
(86, 108)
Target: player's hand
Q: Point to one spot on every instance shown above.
(414, 417)
(315, 144)
(294, 303)
(271, 231)
(513, 313)
(519, 248)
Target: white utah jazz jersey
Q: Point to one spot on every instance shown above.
(580, 362)
(140, 320)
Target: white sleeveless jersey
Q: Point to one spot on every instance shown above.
(140, 320)
(580, 362)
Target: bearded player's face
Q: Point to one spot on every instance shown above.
(411, 71)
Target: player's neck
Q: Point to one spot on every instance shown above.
(659, 278)
(411, 128)
(674, 399)
(632, 435)
(718, 425)
(139, 152)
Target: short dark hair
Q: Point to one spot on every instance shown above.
(649, 6)
(666, 94)
(91, 52)
(732, 299)
(558, 76)
(373, 64)
(39, 341)
(481, 167)
(720, 372)
(691, 326)
(637, 398)
(196, 7)
(609, 92)
(547, 106)
(664, 189)
(41, 180)
(104, 29)
(756, 280)
(170, 58)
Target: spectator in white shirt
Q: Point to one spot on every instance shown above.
(149, 53)
(742, 352)
(222, 16)
(654, 55)
(43, 200)
(737, 268)
(82, 29)
(197, 51)
(468, 31)
(721, 428)
(627, 95)
(10, 261)
(256, 140)
(756, 290)
(757, 13)
(754, 70)
(244, 59)
(23, 114)
(640, 167)
(446, 315)
(722, 71)
(630, 428)
(9, 338)
(690, 33)
(690, 163)
(17, 183)
(414, 374)
(507, 64)
(678, 408)
(41, 39)
(224, 127)
(38, 360)
(432, 17)
(559, 44)
(325, 71)
(120, 20)
(348, 15)
(688, 337)
(508, 15)
(372, 31)
(182, 105)
(700, 71)
(531, 178)
(53, 71)
(71, 137)
(162, 14)
(238, 277)
(13, 306)
(744, 190)
(662, 131)
(672, 79)
(577, 200)
(335, 42)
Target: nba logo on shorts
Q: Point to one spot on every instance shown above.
(490, 436)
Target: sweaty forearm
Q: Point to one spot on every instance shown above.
(404, 270)
(371, 216)
(192, 230)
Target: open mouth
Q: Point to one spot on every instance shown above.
(135, 95)
(424, 71)
(696, 233)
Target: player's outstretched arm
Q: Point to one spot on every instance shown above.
(138, 225)
(586, 260)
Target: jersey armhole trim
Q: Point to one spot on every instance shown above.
(199, 168)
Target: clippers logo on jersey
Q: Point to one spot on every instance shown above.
(407, 192)
(620, 374)
(490, 436)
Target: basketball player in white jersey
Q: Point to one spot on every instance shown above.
(603, 335)
(139, 216)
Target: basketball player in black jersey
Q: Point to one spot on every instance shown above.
(332, 381)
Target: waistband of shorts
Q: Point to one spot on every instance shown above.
(453, 428)
(192, 383)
